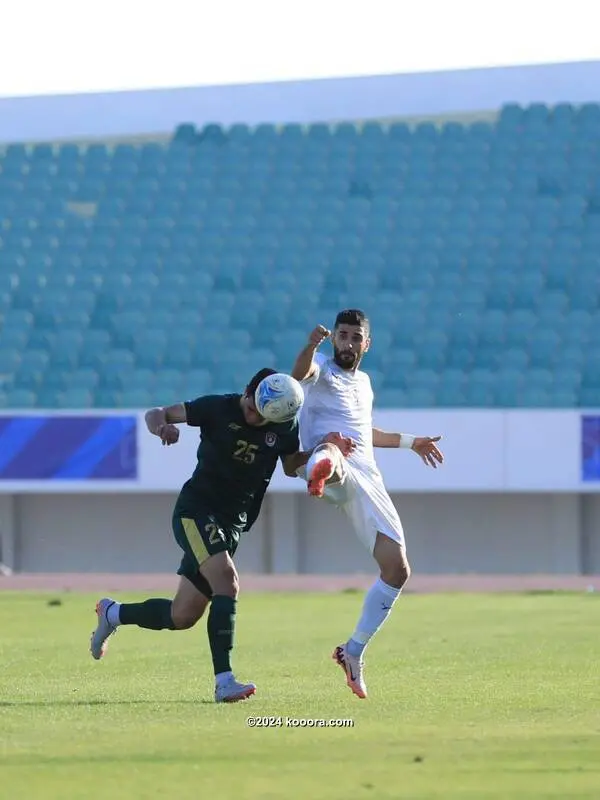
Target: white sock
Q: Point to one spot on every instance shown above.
(223, 677)
(317, 456)
(377, 606)
(112, 614)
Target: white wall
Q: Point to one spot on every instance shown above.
(446, 533)
(97, 533)
(590, 530)
(494, 533)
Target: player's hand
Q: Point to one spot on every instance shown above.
(318, 336)
(344, 443)
(168, 433)
(425, 447)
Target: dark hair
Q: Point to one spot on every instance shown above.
(352, 316)
(256, 379)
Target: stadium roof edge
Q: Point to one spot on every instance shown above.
(119, 115)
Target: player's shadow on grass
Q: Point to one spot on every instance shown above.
(51, 703)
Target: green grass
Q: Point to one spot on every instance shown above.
(470, 697)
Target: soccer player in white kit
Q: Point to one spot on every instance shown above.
(339, 397)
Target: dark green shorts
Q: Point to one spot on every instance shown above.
(199, 537)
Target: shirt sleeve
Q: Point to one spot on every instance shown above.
(319, 359)
(200, 411)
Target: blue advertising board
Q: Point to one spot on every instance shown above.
(590, 448)
(63, 448)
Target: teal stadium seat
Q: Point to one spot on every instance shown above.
(78, 398)
(135, 398)
(196, 382)
(17, 398)
(420, 397)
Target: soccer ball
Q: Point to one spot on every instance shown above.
(278, 397)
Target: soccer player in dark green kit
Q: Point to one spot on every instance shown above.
(237, 456)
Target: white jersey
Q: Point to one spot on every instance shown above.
(338, 400)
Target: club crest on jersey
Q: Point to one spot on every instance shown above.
(270, 439)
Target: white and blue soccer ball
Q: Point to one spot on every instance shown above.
(279, 397)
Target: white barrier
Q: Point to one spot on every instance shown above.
(485, 451)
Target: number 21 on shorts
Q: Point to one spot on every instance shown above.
(214, 534)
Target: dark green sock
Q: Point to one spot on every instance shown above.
(221, 627)
(154, 614)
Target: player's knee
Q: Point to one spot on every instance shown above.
(233, 582)
(332, 451)
(226, 581)
(405, 571)
(396, 571)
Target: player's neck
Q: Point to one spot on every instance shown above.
(347, 370)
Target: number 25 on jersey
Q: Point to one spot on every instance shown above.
(245, 452)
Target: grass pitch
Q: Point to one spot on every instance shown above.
(476, 696)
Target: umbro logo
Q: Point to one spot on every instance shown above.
(233, 426)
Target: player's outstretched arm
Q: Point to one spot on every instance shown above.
(162, 422)
(424, 446)
(384, 439)
(304, 366)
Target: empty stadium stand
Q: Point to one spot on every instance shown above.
(144, 273)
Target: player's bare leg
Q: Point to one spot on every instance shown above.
(220, 572)
(156, 614)
(324, 466)
(379, 600)
(188, 605)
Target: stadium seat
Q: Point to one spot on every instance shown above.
(135, 398)
(77, 398)
(83, 378)
(17, 398)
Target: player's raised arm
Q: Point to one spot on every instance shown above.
(424, 446)
(162, 422)
(197, 413)
(305, 367)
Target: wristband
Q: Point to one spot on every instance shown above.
(407, 440)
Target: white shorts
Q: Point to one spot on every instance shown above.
(362, 496)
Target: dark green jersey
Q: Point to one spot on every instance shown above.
(235, 461)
